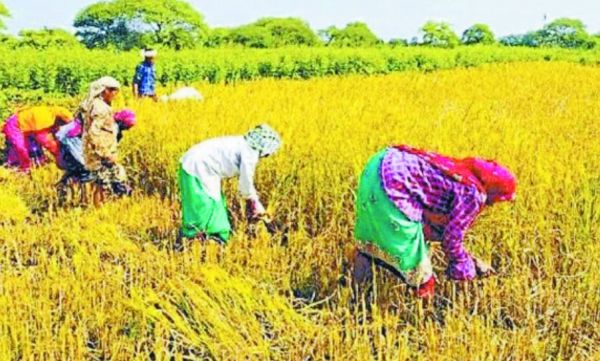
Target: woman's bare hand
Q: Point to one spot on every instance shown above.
(483, 268)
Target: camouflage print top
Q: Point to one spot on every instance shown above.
(99, 134)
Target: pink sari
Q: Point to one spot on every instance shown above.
(21, 147)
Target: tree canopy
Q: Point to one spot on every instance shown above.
(251, 36)
(478, 34)
(47, 38)
(398, 42)
(529, 39)
(218, 37)
(355, 34)
(131, 24)
(565, 33)
(439, 34)
(127, 24)
(266, 33)
(289, 31)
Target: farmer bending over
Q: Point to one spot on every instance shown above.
(406, 195)
(201, 170)
(31, 127)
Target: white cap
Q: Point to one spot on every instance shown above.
(149, 53)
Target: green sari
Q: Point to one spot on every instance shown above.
(384, 232)
(200, 212)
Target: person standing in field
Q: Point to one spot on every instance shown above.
(203, 205)
(406, 195)
(30, 127)
(144, 80)
(100, 144)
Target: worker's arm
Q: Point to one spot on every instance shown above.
(248, 163)
(466, 207)
(137, 78)
(64, 114)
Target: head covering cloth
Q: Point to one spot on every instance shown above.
(263, 139)
(490, 178)
(96, 89)
(126, 118)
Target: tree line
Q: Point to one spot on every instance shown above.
(175, 24)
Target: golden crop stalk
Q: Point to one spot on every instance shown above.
(101, 283)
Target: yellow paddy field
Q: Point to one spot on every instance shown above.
(102, 283)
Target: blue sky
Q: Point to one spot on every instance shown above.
(387, 18)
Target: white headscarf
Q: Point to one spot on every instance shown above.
(263, 139)
(97, 88)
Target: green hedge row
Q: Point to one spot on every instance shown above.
(69, 72)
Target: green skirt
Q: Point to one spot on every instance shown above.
(200, 212)
(383, 230)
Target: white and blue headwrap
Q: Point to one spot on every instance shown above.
(263, 139)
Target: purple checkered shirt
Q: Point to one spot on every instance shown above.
(423, 193)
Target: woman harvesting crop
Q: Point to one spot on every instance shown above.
(100, 132)
(204, 166)
(31, 127)
(406, 195)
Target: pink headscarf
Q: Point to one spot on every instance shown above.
(75, 130)
(500, 184)
(126, 117)
(492, 179)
